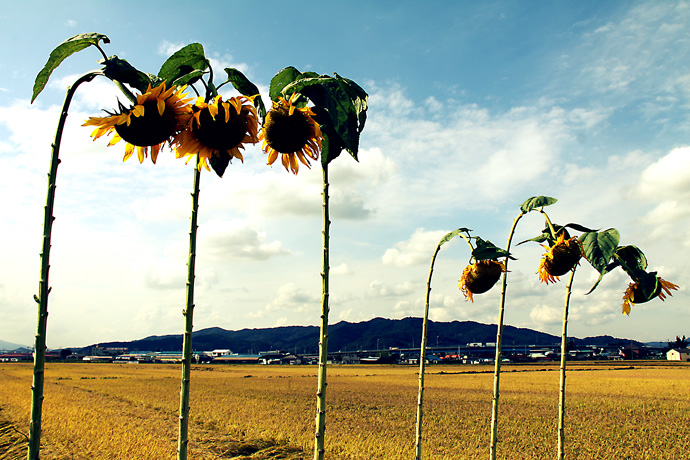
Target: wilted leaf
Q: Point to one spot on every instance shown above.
(487, 250)
(62, 52)
(122, 71)
(246, 88)
(631, 259)
(648, 284)
(343, 101)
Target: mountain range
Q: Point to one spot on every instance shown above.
(375, 334)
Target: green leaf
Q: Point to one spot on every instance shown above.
(120, 70)
(246, 88)
(601, 277)
(62, 52)
(537, 202)
(189, 79)
(183, 62)
(219, 163)
(331, 147)
(453, 234)
(648, 284)
(280, 80)
(599, 247)
(546, 236)
(344, 102)
(631, 259)
(487, 250)
(578, 227)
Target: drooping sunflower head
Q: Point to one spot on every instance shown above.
(158, 115)
(292, 133)
(559, 259)
(217, 131)
(479, 277)
(635, 294)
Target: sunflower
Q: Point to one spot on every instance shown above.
(217, 131)
(158, 115)
(633, 294)
(291, 131)
(559, 259)
(479, 277)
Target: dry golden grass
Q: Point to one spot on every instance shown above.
(114, 411)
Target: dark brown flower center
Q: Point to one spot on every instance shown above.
(150, 129)
(565, 256)
(482, 276)
(286, 133)
(218, 134)
(638, 296)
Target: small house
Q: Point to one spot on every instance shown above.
(678, 354)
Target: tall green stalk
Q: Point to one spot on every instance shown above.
(43, 286)
(319, 443)
(499, 337)
(425, 325)
(561, 393)
(422, 361)
(188, 313)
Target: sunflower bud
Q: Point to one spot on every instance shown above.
(479, 277)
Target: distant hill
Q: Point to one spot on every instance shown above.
(11, 346)
(378, 333)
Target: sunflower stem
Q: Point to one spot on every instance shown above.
(422, 360)
(319, 443)
(132, 98)
(469, 243)
(548, 222)
(43, 286)
(499, 337)
(561, 387)
(183, 439)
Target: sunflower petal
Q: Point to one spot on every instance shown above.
(154, 152)
(129, 150)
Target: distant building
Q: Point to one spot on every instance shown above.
(236, 359)
(678, 354)
(219, 352)
(98, 359)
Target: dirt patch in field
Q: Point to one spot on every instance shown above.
(230, 448)
(13, 443)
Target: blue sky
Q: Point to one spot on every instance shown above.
(474, 107)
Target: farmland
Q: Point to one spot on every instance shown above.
(119, 411)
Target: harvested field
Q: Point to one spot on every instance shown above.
(119, 411)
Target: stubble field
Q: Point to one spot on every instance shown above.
(119, 411)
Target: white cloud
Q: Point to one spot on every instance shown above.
(416, 250)
(545, 315)
(669, 177)
(341, 269)
(294, 299)
(380, 289)
(238, 240)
